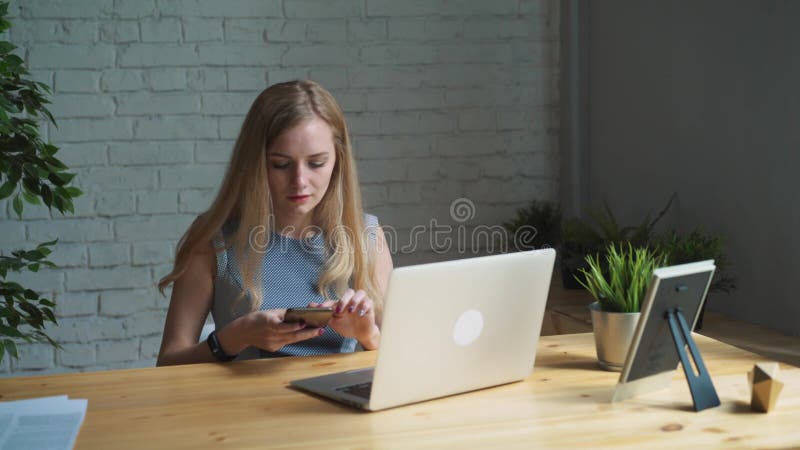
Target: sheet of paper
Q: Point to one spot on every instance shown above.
(50, 423)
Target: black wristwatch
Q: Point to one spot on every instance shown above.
(216, 348)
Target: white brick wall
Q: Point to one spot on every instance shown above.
(445, 99)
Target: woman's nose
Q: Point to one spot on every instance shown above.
(299, 176)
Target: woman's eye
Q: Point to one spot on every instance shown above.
(316, 164)
(281, 166)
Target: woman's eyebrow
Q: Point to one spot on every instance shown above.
(281, 155)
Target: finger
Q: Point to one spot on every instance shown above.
(364, 307)
(289, 327)
(343, 303)
(302, 335)
(358, 297)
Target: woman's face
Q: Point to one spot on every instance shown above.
(299, 166)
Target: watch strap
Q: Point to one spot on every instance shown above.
(216, 348)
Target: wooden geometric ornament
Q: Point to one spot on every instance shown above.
(765, 386)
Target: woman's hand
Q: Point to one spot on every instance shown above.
(354, 316)
(265, 330)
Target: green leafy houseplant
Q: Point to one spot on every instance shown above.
(587, 237)
(698, 246)
(29, 173)
(537, 225)
(619, 283)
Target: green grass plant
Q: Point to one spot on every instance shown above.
(620, 284)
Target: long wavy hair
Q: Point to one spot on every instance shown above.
(244, 198)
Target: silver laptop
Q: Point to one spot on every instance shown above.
(450, 327)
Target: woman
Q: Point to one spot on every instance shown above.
(286, 230)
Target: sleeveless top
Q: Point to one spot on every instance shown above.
(289, 274)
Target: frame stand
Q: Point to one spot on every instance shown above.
(704, 395)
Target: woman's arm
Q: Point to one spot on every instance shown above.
(192, 297)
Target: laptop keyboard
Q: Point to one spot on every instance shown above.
(362, 390)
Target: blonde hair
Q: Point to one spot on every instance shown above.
(244, 197)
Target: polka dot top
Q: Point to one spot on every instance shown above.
(291, 268)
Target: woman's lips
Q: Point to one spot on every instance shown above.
(299, 198)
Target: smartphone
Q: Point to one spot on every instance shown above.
(314, 317)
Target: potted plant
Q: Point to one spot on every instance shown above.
(618, 283)
(588, 237)
(537, 225)
(699, 245)
(29, 173)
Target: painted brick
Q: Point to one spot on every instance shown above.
(317, 55)
(477, 120)
(196, 201)
(202, 30)
(118, 178)
(323, 31)
(11, 232)
(121, 80)
(147, 253)
(45, 281)
(117, 351)
(229, 127)
(215, 8)
(399, 100)
(227, 103)
(163, 227)
(100, 278)
(240, 55)
(279, 76)
(247, 79)
(213, 151)
(158, 55)
(103, 254)
(380, 77)
(394, 147)
(329, 78)
(81, 105)
(172, 127)
(70, 230)
(61, 9)
(85, 130)
(150, 153)
(123, 303)
(115, 203)
(77, 81)
(120, 32)
(157, 202)
(160, 30)
(76, 304)
(198, 176)
(381, 170)
(86, 329)
(144, 323)
(206, 79)
(76, 355)
(399, 54)
(69, 255)
(166, 80)
(126, 9)
(71, 57)
(251, 30)
(145, 103)
(404, 8)
(150, 347)
(365, 30)
(34, 356)
(425, 29)
(317, 9)
(82, 154)
(78, 32)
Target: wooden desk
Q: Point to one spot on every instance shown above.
(564, 403)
